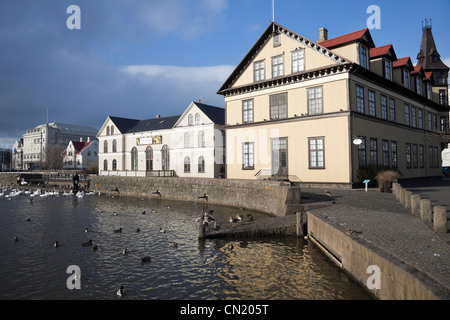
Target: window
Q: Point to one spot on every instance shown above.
(149, 158)
(430, 154)
(315, 100)
(364, 57)
(373, 151)
(421, 156)
(419, 85)
(134, 159)
(385, 146)
(406, 78)
(248, 156)
(105, 147)
(190, 120)
(408, 155)
(187, 140)
(258, 71)
(277, 66)
(443, 126)
(187, 165)
(112, 130)
(407, 115)
(197, 119)
(278, 106)
(413, 117)
(429, 95)
(436, 157)
(415, 155)
(107, 130)
(201, 164)
(387, 69)
(316, 153)
(201, 139)
(372, 105)
(165, 158)
(114, 165)
(442, 97)
(298, 60)
(394, 162)
(114, 146)
(392, 109)
(105, 165)
(435, 126)
(383, 107)
(359, 99)
(420, 118)
(277, 40)
(430, 121)
(247, 111)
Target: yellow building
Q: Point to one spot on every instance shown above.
(319, 111)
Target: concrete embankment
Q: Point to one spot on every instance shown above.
(272, 197)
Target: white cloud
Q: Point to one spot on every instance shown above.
(185, 74)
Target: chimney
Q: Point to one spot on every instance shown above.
(81, 139)
(200, 101)
(89, 139)
(323, 34)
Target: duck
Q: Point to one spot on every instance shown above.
(121, 292)
(56, 244)
(118, 230)
(125, 251)
(138, 230)
(250, 217)
(239, 217)
(87, 244)
(174, 244)
(143, 212)
(233, 220)
(216, 226)
(146, 259)
(161, 230)
(86, 230)
(243, 244)
(95, 247)
(15, 239)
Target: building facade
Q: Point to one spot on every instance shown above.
(187, 145)
(39, 140)
(318, 112)
(80, 155)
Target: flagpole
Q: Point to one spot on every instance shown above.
(273, 10)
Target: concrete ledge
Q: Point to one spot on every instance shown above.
(397, 280)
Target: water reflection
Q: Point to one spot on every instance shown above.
(281, 268)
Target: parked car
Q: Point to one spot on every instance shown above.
(446, 171)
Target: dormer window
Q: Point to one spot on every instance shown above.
(429, 91)
(418, 85)
(406, 78)
(364, 57)
(388, 69)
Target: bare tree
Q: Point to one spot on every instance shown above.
(53, 157)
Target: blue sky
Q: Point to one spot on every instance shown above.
(140, 58)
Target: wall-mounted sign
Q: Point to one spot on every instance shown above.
(150, 140)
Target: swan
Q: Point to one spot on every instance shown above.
(120, 292)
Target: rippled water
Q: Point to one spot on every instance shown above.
(32, 268)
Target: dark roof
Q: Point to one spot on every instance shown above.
(216, 114)
(428, 50)
(132, 125)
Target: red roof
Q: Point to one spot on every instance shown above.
(380, 51)
(346, 38)
(428, 75)
(80, 146)
(401, 62)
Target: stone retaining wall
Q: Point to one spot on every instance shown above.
(275, 198)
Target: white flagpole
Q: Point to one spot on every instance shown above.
(273, 10)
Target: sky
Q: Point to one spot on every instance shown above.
(141, 58)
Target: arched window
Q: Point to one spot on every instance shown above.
(107, 130)
(165, 160)
(201, 164)
(187, 140)
(190, 120)
(197, 119)
(114, 165)
(112, 130)
(149, 159)
(105, 147)
(187, 165)
(114, 146)
(105, 165)
(201, 139)
(134, 159)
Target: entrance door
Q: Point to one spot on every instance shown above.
(279, 157)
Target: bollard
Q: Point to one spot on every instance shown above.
(395, 189)
(425, 211)
(402, 196)
(415, 204)
(440, 219)
(407, 203)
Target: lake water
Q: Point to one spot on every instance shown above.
(265, 269)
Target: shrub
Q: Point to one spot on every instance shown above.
(385, 179)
